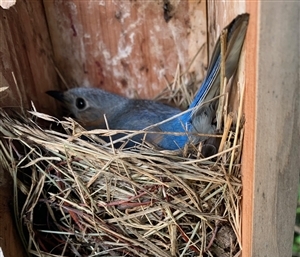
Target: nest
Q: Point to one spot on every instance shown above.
(77, 196)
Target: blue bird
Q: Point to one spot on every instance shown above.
(165, 127)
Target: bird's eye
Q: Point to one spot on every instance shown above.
(80, 103)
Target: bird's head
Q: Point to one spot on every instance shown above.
(89, 105)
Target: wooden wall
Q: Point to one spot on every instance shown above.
(131, 49)
(271, 154)
(26, 54)
(26, 68)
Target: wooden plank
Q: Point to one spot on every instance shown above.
(271, 148)
(9, 238)
(126, 47)
(26, 52)
(250, 130)
(277, 161)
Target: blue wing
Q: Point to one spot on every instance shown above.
(209, 88)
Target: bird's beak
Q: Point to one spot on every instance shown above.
(58, 95)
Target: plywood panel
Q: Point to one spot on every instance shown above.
(277, 129)
(127, 47)
(26, 52)
(270, 164)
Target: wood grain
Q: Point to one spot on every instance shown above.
(248, 158)
(126, 47)
(26, 52)
(271, 149)
(9, 238)
(219, 16)
(131, 49)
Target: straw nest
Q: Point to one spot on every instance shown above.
(76, 196)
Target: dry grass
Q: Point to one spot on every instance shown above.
(76, 195)
(84, 199)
